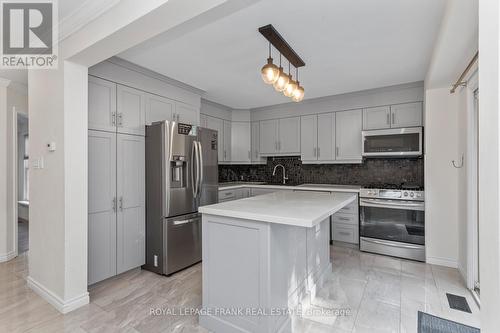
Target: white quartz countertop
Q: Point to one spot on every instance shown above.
(303, 187)
(302, 208)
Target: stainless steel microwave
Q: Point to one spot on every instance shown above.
(394, 142)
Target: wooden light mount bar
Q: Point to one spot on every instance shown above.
(281, 45)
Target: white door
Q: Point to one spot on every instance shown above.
(131, 106)
(406, 115)
(217, 125)
(377, 118)
(326, 137)
(289, 135)
(158, 108)
(255, 143)
(240, 142)
(102, 206)
(309, 138)
(268, 136)
(131, 218)
(348, 135)
(102, 105)
(227, 141)
(187, 114)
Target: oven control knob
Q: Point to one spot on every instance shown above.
(405, 194)
(412, 194)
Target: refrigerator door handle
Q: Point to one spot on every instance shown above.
(200, 163)
(193, 163)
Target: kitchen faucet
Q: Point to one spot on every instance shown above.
(285, 178)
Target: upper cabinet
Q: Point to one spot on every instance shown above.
(118, 108)
(268, 136)
(217, 125)
(102, 105)
(158, 108)
(255, 145)
(280, 136)
(394, 116)
(131, 110)
(317, 134)
(377, 118)
(227, 141)
(241, 142)
(289, 135)
(348, 135)
(186, 114)
(406, 115)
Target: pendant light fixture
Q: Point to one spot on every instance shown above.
(298, 93)
(291, 86)
(282, 80)
(270, 72)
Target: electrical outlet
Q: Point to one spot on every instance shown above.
(155, 259)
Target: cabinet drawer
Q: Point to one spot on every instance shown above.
(344, 233)
(227, 195)
(352, 208)
(346, 219)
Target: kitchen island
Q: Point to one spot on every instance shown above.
(262, 255)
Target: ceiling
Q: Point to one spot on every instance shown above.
(348, 45)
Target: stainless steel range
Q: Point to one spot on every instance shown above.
(392, 221)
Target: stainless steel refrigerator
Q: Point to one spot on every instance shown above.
(181, 175)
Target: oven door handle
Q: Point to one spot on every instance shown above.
(392, 204)
(405, 246)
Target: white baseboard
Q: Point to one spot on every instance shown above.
(7, 256)
(61, 305)
(442, 262)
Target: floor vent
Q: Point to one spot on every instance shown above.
(458, 303)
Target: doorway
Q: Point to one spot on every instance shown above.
(22, 183)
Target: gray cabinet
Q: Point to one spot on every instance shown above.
(241, 142)
(317, 134)
(186, 114)
(394, 116)
(406, 115)
(102, 206)
(345, 224)
(255, 145)
(116, 211)
(158, 108)
(348, 135)
(377, 118)
(131, 110)
(102, 105)
(131, 215)
(280, 136)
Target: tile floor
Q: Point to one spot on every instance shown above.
(382, 294)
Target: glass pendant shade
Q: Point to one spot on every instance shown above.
(290, 87)
(298, 94)
(282, 81)
(270, 72)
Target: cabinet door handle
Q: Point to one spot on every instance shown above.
(393, 118)
(114, 204)
(336, 151)
(319, 152)
(120, 119)
(225, 154)
(121, 204)
(388, 119)
(113, 118)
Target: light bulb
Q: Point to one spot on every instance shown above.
(298, 94)
(282, 81)
(270, 72)
(290, 87)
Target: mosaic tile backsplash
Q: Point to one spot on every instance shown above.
(371, 171)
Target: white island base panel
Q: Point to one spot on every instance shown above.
(254, 271)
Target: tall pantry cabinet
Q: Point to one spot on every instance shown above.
(116, 148)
